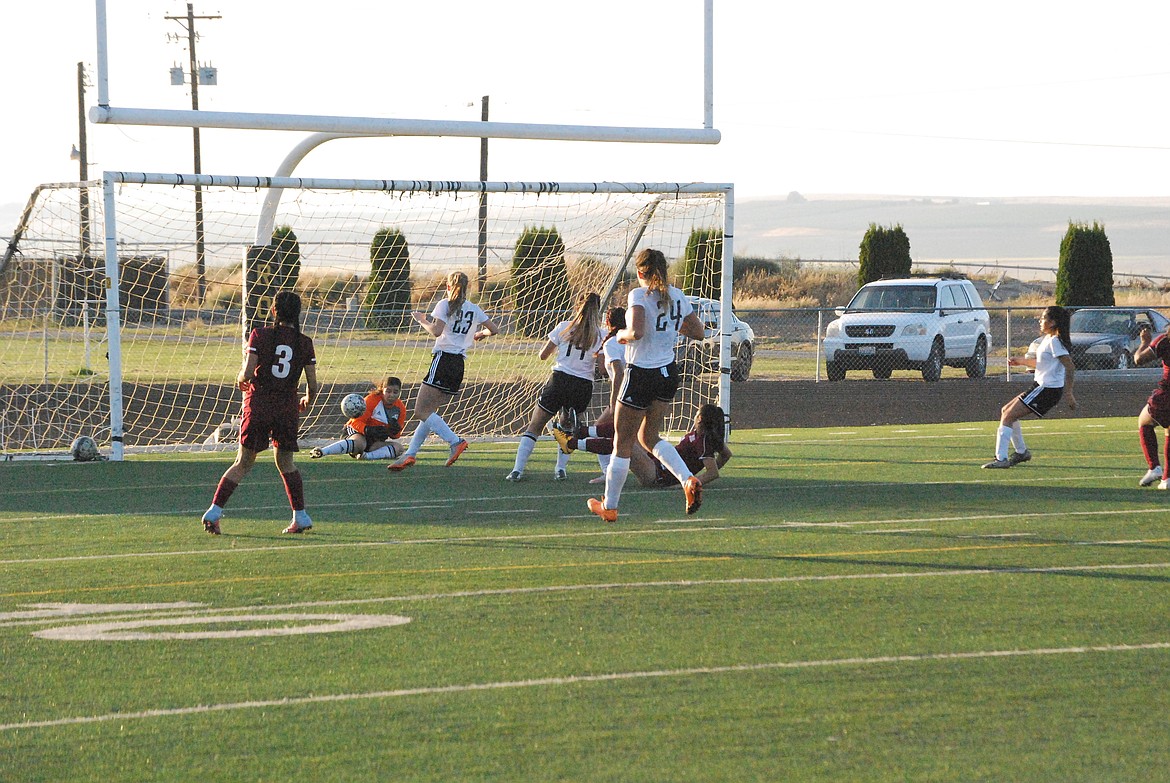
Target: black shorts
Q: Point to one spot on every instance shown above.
(1041, 399)
(642, 387)
(446, 372)
(373, 433)
(565, 391)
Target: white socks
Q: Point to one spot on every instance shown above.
(439, 427)
(340, 447)
(615, 479)
(386, 452)
(420, 434)
(1018, 437)
(1007, 437)
(667, 454)
(524, 451)
(1003, 439)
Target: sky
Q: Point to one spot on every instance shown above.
(911, 97)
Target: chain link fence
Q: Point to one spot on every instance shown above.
(789, 344)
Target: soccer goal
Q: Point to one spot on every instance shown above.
(114, 325)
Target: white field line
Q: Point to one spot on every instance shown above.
(602, 533)
(45, 614)
(581, 679)
(1035, 430)
(406, 505)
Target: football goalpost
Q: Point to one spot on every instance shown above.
(113, 337)
(362, 254)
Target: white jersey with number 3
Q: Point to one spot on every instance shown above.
(660, 335)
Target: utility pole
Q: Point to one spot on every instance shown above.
(188, 22)
(83, 160)
(481, 242)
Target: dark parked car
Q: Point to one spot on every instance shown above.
(1108, 337)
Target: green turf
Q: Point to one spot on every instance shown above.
(849, 604)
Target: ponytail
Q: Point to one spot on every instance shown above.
(651, 266)
(1061, 317)
(582, 330)
(456, 293)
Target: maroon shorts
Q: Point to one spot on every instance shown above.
(269, 420)
(1159, 406)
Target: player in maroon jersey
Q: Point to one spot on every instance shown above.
(1157, 410)
(703, 449)
(270, 380)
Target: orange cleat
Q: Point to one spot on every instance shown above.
(606, 514)
(401, 464)
(693, 489)
(456, 450)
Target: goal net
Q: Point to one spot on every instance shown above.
(123, 311)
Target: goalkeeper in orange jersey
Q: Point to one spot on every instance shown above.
(374, 434)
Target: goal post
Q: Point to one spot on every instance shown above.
(362, 254)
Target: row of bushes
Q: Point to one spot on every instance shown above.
(540, 281)
(1084, 275)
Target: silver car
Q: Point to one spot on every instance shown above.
(703, 355)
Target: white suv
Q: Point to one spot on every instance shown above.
(919, 323)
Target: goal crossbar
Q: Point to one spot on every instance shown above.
(413, 185)
(318, 123)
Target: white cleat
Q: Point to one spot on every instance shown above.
(1152, 475)
(300, 523)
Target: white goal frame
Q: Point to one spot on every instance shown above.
(111, 180)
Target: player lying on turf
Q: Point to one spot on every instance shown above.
(703, 449)
(373, 434)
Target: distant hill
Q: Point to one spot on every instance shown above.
(998, 231)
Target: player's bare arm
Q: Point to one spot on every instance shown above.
(248, 371)
(433, 325)
(692, 327)
(487, 329)
(313, 388)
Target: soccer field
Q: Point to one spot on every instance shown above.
(848, 605)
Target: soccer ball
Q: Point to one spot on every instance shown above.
(84, 449)
(353, 405)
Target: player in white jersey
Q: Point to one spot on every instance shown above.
(657, 313)
(455, 323)
(575, 344)
(1052, 381)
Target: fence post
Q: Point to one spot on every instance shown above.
(1007, 367)
(820, 331)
